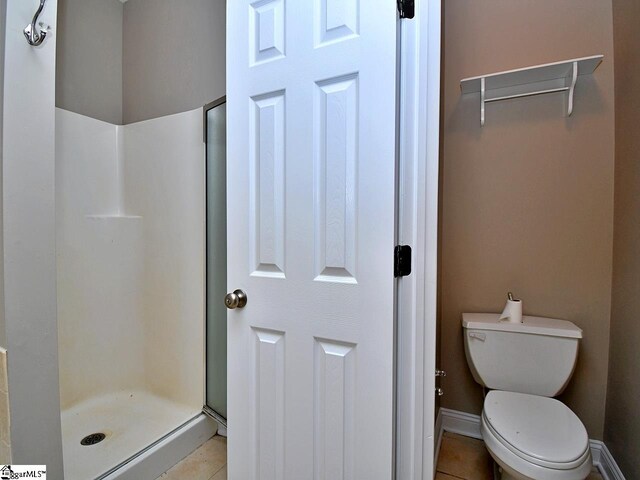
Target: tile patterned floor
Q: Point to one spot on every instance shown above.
(460, 458)
(464, 458)
(209, 462)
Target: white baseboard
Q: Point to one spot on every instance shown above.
(605, 462)
(468, 425)
(454, 421)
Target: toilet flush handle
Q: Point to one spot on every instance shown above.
(480, 336)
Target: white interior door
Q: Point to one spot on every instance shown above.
(310, 195)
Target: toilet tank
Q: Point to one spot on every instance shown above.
(537, 356)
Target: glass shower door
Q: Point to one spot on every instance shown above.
(216, 259)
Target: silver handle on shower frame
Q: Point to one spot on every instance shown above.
(34, 37)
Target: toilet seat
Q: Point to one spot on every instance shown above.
(538, 437)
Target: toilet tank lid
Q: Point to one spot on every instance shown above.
(531, 325)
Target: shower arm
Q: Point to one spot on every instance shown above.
(35, 38)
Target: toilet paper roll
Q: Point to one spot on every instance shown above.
(512, 312)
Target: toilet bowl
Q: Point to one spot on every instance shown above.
(533, 437)
(529, 434)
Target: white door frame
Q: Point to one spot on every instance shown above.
(419, 105)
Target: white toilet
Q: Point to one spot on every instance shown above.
(529, 434)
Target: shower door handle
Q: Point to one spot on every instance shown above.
(237, 299)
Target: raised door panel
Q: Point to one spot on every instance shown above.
(267, 187)
(269, 407)
(336, 172)
(334, 410)
(266, 31)
(336, 20)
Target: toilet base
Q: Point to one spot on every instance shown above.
(506, 473)
(506, 476)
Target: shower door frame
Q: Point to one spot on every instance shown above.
(205, 110)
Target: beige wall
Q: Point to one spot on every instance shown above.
(174, 56)
(89, 58)
(528, 199)
(622, 427)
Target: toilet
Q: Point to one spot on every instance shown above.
(528, 433)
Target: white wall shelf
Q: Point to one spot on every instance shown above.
(525, 82)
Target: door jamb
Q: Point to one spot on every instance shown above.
(419, 132)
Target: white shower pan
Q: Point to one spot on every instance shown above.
(130, 421)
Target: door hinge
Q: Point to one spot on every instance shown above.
(402, 261)
(406, 8)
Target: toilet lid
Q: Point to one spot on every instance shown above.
(539, 427)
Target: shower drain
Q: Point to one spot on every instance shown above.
(92, 439)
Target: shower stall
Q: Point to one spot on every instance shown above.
(130, 262)
(132, 241)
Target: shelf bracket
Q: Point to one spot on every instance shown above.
(574, 78)
(482, 101)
